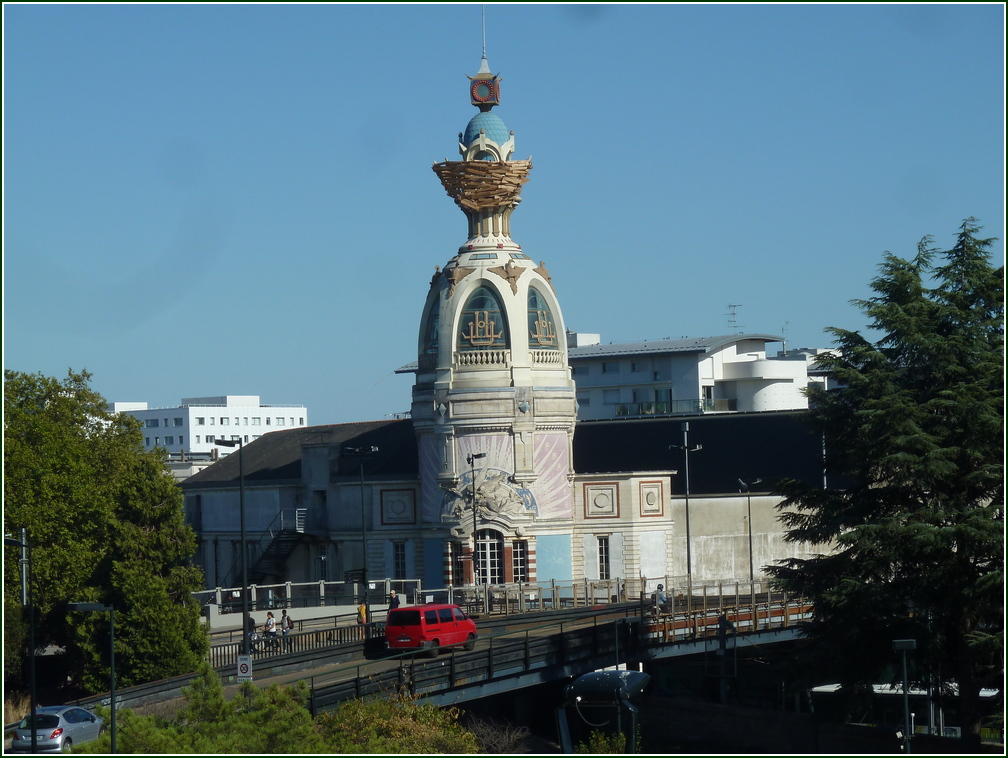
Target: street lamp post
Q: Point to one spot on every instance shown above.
(689, 550)
(28, 600)
(471, 460)
(747, 486)
(903, 646)
(244, 550)
(361, 453)
(99, 608)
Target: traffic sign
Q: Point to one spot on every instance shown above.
(244, 668)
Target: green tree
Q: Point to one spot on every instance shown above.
(106, 524)
(276, 720)
(396, 724)
(914, 538)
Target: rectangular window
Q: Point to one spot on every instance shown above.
(398, 560)
(237, 420)
(146, 441)
(210, 439)
(225, 421)
(166, 423)
(489, 549)
(519, 560)
(256, 421)
(151, 423)
(603, 558)
(610, 367)
(197, 439)
(177, 422)
(636, 366)
(157, 441)
(657, 376)
(200, 421)
(211, 421)
(458, 573)
(279, 421)
(610, 397)
(301, 421)
(169, 440)
(181, 440)
(267, 421)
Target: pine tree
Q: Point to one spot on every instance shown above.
(913, 540)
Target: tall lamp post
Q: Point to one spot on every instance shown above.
(471, 460)
(689, 550)
(244, 549)
(28, 601)
(99, 608)
(747, 486)
(903, 646)
(361, 453)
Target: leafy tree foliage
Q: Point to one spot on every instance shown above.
(397, 724)
(276, 720)
(105, 521)
(916, 431)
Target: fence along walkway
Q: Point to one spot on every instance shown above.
(749, 610)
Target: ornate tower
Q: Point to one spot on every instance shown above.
(493, 404)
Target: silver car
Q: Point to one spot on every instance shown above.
(56, 729)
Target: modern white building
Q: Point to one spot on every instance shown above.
(197, 423)
(666, 377)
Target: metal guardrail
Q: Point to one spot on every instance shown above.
(344, 641)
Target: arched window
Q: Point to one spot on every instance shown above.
(490, 553)
(482, 325)
(542, 329)
(431, 330)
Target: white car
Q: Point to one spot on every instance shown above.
(56, 729)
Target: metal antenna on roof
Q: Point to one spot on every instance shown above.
(733, 317)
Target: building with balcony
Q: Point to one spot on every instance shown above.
(669, 377)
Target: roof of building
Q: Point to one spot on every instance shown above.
(276, 457)
(488, 122)
(769, 446)
(684, 345)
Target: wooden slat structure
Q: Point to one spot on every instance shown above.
(483, 185)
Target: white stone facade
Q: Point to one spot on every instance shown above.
(686, 376)
(196, 423)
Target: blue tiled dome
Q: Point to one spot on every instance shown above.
(490, 123)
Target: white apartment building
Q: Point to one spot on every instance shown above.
(687, 376)
(198, 422)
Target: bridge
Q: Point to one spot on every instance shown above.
(513, 652)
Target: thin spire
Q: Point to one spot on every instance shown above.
(483, 15)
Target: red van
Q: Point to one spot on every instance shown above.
(429, 627)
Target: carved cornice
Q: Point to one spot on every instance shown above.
(510, 273)
(545, 274)
(455, 275)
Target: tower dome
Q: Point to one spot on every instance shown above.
(493, 402)
(490, 124)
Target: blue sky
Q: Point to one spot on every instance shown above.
(238, 199)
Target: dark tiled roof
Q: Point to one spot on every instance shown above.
(276, 457)
(769, 445)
